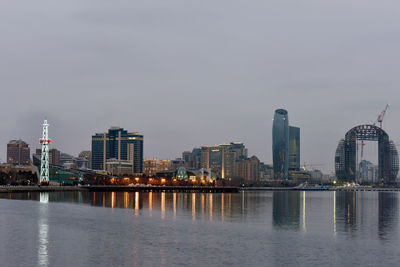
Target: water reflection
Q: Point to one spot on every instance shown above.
(43, 237)
(210, 197)
(137, 207)
(286, 228)
(334, 213)
(388, 213)
(163, 205)
(346, 210)
(150, 203)
(286, 209)
(304, 212)
(174, 205)
(194, 206)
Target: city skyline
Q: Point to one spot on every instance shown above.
(176, 154)
(192, 74)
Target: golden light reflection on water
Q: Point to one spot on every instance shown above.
(163, 205)
(150, 202)
(208, 206)
(202, 203)
(174, 205)
(136, 203)
(222, 207)
(185, 200)
(210, 196)
(113, 200)
(194, 206)
(126, 200)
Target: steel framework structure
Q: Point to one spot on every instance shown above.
(44, 163)
(346, 154)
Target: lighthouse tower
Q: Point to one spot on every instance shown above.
(44, 165)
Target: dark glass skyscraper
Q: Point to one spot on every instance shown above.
(280, 144)
(120, 145)
(294, 148)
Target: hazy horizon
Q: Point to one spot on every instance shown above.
(191, 73)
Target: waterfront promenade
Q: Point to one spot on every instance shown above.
(200, 189)
(115, 188)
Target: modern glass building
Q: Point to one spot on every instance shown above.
(117, 144)
(280, 144)
(294, 148)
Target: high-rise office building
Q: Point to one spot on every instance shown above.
(18, 153)
(187, 157)
(120, 145)
(54, 156)
(221, 158)
(280, 144)
(248, 169)
(294, 148)
(285, 145)
(196, 156)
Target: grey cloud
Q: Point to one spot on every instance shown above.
(189, 73)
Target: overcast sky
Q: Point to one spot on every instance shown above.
(191, 73)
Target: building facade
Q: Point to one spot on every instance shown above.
(18, 153)
(117, 144)
(368, 172)
(248, 169)
(285, 146)
(119, 167)
(294, 148)
(196, 157)
(86, 155)
(150, 167)
(280, 144)
(187, 157)
(221, 159)
(164, 165)
(54, 156)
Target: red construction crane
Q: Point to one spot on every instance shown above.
(381, 115)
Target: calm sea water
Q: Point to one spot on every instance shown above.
(181, 229)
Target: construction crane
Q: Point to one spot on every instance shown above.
(362, 148)
(380, 116)
(380, 120)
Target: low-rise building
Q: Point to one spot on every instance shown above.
(119, 167)
(150, 167)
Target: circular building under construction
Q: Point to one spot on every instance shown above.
(346, 154)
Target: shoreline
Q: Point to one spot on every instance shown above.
(199, 189)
